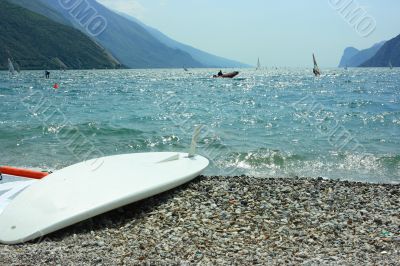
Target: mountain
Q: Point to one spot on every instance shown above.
(132, 42)
(207, 59)
(38, 7)
(389, 53)
(126, 40)
(349, 52)
(36, 42)
(354, 58)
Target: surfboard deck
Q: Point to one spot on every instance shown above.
(82, 191)
(10, 187)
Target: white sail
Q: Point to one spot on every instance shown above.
(17, 67)
(258, 64)
(10, 66)
(316, 70)
(60, 63)
(390, 65)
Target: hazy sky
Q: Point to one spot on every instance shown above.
(280, 32)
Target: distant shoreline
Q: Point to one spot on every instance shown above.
(202, 68)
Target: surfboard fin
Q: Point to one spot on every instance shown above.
(174, 157)
(193, 146)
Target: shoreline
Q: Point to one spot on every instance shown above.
(234, 220)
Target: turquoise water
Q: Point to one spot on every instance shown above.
(269, 123)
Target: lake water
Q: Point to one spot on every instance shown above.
(267, 123)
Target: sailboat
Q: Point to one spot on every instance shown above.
(16, 65)
(390, 65)
(60, 63)
(316, 70)
(11, 67)
(258, 64)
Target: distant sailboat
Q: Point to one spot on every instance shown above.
(316, 70)
(345, 68)
(60, 63)
(390, 65)
(258, 64)
(11, 68)
(17, 67)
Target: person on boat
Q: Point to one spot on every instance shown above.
(220, 73)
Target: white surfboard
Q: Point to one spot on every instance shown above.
(10, 187)
(80, 191)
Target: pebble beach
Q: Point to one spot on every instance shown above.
(234, 220)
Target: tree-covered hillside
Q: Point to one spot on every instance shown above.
(36, 42)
